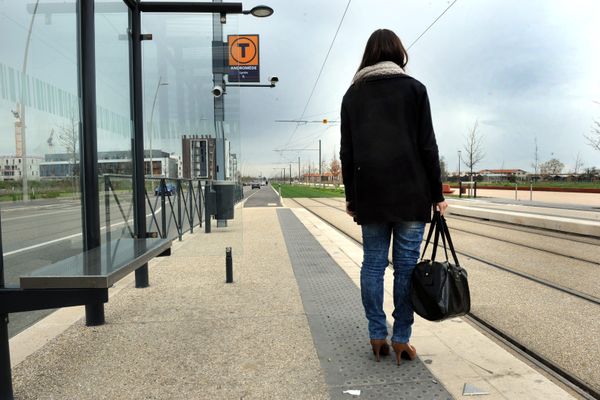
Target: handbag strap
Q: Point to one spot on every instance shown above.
(432, 226)
(438, 232)
(443, 234)
(446, 234)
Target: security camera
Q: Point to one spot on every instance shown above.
(217, 91)
(274, 80)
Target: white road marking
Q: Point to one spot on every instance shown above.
(41, 215)
(35, 246)
(246, 199)
(57, 205)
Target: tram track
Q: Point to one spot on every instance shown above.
(540, 280)
(571, 380)
(585, 240)
(573, 237)
(556, 253)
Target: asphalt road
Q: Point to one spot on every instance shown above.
(562, 328)
(263, 197)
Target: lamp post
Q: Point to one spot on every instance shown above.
(151, 133)
(219, 57)
(459, 180)
(19, 114)
(219, 71)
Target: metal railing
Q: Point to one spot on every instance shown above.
(174, 206)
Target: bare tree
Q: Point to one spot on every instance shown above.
(473, 149)
(69, 137)
(551, 167)
(594, 137)
(443, 169)
(335, 168)
(578, 163)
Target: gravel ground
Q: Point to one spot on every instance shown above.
(190, 335)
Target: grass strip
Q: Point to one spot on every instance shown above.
(291, 191)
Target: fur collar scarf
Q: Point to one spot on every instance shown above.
(380, 69)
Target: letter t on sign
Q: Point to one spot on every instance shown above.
(243, 46)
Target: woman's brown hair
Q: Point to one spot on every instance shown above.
(384, 45)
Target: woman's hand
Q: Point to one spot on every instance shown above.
(441, 207)
(349, 211)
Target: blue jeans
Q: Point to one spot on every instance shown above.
(376, 245)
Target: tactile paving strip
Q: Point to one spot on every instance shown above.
(339, 329)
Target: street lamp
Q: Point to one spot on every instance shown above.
(259, 11)
(151, 134)
(20, 124)
(459, 159)
(459, 180)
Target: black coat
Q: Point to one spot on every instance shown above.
(389, 155)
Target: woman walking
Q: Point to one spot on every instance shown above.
(391, 172)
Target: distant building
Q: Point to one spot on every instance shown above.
(198, 157)
(109, 162)
(234, 167)
(502, 174)
(13, 168)
(325, 177)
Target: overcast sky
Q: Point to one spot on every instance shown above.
(523, 69)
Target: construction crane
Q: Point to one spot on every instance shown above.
(323, 121)
(50, 142)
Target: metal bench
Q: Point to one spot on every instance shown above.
(83, 279)
(98, 268)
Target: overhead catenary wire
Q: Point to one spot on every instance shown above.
(308, 139)
(312, 92)
(431, 25)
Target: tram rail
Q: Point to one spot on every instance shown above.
(535, 278)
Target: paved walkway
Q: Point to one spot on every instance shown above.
(289, 327)
(190, 335)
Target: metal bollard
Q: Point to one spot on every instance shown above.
(531, 192)
(228, 266)
(207, 210)
(516, 191)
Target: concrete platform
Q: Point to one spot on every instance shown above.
(189, 335)
(290, 326)
(580, 222)
(455, 352)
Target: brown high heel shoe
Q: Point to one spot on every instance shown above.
(404, 350)
(380, 347)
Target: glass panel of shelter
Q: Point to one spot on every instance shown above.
(39, 127)
(181, 134)
(115, 167)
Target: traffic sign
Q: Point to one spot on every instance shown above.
(243, 58)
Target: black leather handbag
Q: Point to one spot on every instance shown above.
(440, 290)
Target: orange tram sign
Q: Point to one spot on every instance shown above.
(243, 58)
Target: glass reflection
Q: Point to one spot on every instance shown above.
(39, 132)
